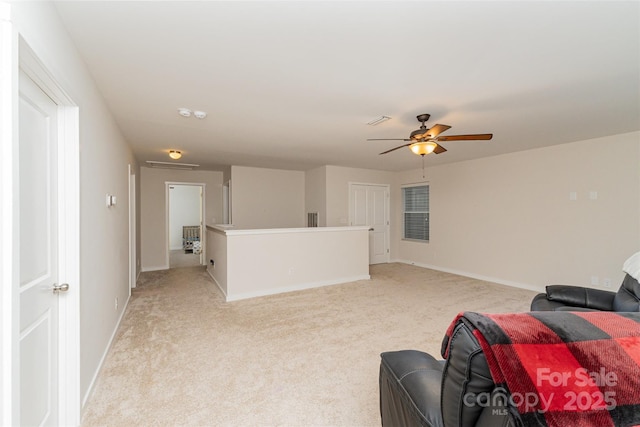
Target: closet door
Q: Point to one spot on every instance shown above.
(369, 206)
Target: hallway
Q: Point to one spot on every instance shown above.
(180, 258)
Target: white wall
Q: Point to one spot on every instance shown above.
(270, 198)
(216, 245)
(264, 262)
(153, 209)
(267, 198)
(104, 157)
(509, 218)
(184, 210)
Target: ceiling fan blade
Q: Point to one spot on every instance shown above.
(477, 137)
(388, 139)
(439, 149)
(397, 148)
(435, 130)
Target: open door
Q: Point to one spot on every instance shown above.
(185, 224)
(39, 262)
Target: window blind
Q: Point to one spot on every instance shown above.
(416, 212)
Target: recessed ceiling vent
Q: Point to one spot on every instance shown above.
(171, 165)
(378, 120)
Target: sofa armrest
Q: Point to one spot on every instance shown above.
(578, 296)
(410, 384)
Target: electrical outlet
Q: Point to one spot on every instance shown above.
(606, 282)
(116, 303)
(594, 280)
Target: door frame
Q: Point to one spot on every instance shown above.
(167, 229)
(133, 258)
(226, 203)
(15, 55)
(387, 213)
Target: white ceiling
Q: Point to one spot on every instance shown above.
(292, 85)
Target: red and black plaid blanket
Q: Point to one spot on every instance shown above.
(563, 368)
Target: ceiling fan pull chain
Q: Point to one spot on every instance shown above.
(423, 166)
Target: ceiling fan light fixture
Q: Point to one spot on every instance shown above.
(423, 148)
(423, 141)
(417, 135)
(175, 154)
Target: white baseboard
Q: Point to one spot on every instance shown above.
(104, 355)
(158, 268)
(217, 284)
(497, 280)
(298, 287)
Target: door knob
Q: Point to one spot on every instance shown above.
(60, 288)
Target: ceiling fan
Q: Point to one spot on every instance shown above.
(426, 141)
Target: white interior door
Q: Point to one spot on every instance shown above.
(377, 204)
(38, 248)
(369, 206)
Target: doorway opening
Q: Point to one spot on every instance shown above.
(185, 234)
(226, 203)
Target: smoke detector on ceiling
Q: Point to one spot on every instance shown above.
(184, 112)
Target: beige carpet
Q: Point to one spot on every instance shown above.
(182, 356)
(180, 258)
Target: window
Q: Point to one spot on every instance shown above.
(415, 202)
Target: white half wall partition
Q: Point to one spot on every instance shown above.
(251, 263)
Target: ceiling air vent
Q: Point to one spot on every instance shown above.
(171, 165)
(378, 120)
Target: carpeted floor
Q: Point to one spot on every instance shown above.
(180, 258)
(182, 356)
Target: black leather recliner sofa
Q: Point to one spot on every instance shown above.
(576, 298)
(418, 390)
(508, 369)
